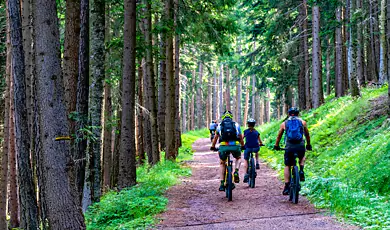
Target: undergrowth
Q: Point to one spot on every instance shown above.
(348, 169)
(136, 207)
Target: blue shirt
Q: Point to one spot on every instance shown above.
(213, 126)
(251, 138)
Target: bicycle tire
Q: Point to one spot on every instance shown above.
(229, 187)
(295, 189)
(252, 173)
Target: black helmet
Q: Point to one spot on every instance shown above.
(251, 122)
(293, 111)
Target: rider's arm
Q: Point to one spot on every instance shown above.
(306, 130)
(215, 140)
(280, 134)
(241, 139)
(260, 142)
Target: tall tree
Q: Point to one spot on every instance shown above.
(63, 211)
(246, 105)
(170, 150)
(382, 28)
(220, 88)
(162, 92)
(96, 94)
(151, 85)
(359, 45)
(184, 106)
(238, 100)
(177, 77)
(80, 153)
(227, 90)
(318, 93)
(352, 54)
(28, 202)
(215, 102)
(127, 163)
(140, 123)
(199, 98)
(339, 82)
(306, 56)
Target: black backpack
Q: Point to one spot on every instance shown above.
(228, 130)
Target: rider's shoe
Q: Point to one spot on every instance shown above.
(286, 189)
(301, 176)
(246, 178)
(257, 166)
(236, 177)
(222, 188)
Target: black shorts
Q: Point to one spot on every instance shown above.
(289, 159)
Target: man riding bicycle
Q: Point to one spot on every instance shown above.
(252, 145)
(213, 126)
(295, 128)
(231, 141)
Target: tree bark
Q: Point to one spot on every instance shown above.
(199, 97)
(346, 39)
(328, 67)
(80, 152)
(127, 163)
(71, 56)
(63, 211)
(359, 46)
(162, 92)
(192, 115)
(220, 88)
(372, 57)
(215, 101)
(301, 78)
(117, 143)
(382, 59)
(227, 90)
(5, 148)
(306, 57)
(267, 106)
(246, 105)
(318, 93)
(96, 94)
(170, 140)
(339, 81)
(28, 202)
(352, 54)
(184, 105)
(177, 78)
(238, 101)
(140, 147)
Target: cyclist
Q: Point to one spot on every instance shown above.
(213, 127)
(252, 145)
(295, 129)
(230, 138)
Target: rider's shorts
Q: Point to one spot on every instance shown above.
(225, 149)
(250, 150)
(289, 155)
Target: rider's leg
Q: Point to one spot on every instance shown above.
(222, 169)
(238, 163)
(287, 174)
(302, 163)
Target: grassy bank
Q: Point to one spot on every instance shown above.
(348, 169)
(135, 208)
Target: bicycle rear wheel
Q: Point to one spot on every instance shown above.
(295, 186)
(252, 173)
(229, 184)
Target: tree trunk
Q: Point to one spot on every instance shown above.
(71, 56)
(80, 152)
(208, 102)
(352, 55)
(184, 106)
(177, 78)
(5, 148)
(13, 199)
(162, 93)
(199, 96)
(339, 81)
(192, 115)
(170, 150)
(359, 46)
(346, 66)
(96, 96)
(377, 35)
(28, 202)
(238, 102)
(318, 94)
(117, 143)
(63, 211)
(140, 137)
(256, 116)
(328, 70)
(253, 103)
(372, 57)
(301, 78)
(221, 105)
(227, 90)
(267, 106)
(246, 105)
(306, 57)
(127, 163)
(215, 101)
(382, 59)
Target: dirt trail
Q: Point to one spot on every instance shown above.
(197, 204)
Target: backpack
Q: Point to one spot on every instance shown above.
(294, 130)
(228, 130)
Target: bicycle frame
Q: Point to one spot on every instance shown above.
(228, 177)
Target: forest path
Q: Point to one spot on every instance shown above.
(196, 203)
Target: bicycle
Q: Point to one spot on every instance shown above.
(212, 135)
(251, 171)
(229, 186)
(295, 186)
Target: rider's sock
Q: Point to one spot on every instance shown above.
(301, 168)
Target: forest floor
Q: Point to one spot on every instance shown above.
(196, 203)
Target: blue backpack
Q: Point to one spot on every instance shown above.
(294, 130)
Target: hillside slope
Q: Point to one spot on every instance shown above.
(348, 170)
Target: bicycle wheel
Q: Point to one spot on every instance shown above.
(252, 173)
(229, 184)
(295, 187)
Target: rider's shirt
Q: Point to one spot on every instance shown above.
(238, 131)
(213, 126)
(251, 138)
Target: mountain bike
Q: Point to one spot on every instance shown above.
(212, 135)
(295, 186)
(229, 186)
(251, 171)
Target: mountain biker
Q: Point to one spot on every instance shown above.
(230, 138)
(295, 128)
(213, 126)
(252, 145)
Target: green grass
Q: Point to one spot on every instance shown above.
(136, 207)
(348, 171)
